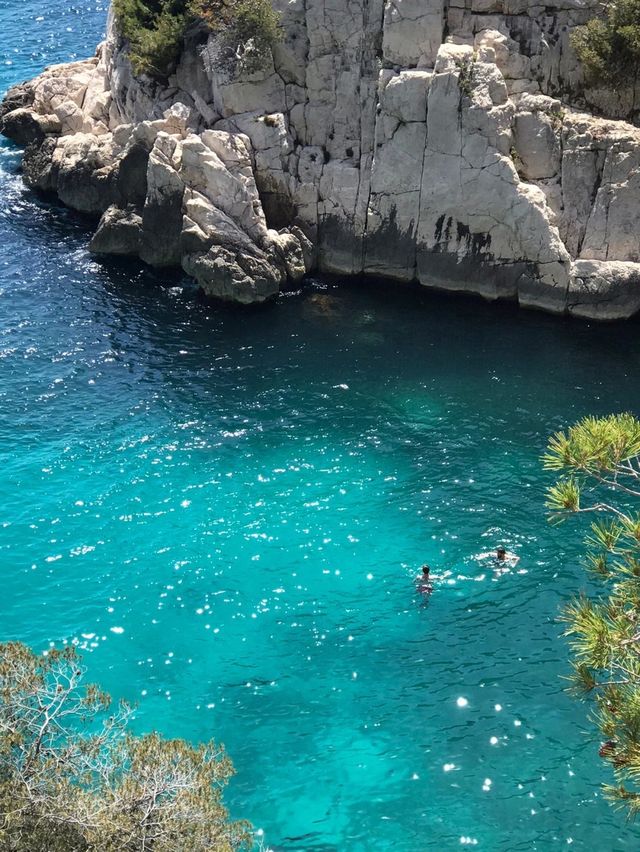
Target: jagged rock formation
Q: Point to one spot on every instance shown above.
(414, 139)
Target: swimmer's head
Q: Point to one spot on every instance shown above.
(425, 570)
(501, 553)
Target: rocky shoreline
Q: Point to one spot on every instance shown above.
(371, 143)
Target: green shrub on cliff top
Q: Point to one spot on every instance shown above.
(155, 30)
(609, 48)
(248, 30)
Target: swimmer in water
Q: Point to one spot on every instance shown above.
(424, 585)
(502, 557)
(503, 560)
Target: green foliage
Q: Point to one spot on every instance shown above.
(252, 32)
(155, 30)
(598, 460)
(246, 32)
(595, 445)
(564, 496)
(609, 48)
(72, 779)
(466, 68)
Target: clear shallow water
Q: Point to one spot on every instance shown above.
(226, 510)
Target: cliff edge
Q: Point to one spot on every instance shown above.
(450, 142)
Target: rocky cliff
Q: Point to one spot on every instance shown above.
(450, 142)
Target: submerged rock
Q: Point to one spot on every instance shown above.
(366, 143)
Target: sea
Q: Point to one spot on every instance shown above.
(225, 510)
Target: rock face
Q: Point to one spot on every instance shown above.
(163, 192)
(369, 142)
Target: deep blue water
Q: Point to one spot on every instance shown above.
(225, 509)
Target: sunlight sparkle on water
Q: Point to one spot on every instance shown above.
(290, 470)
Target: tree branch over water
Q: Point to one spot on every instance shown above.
(598, 462)
(74, 779)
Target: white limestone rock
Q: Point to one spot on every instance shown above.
(271, 147)
(224, 260)
(79, 168)
(396, 174)
(612, 230)
(71, 117)
(218, 165)
(261, 91)
(474, 210)
(604, 290)
(60, 83)
(288, 247)
(404, 95)
(412, 31)
(463, 164)
(536, 139)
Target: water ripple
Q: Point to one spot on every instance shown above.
(225, 510)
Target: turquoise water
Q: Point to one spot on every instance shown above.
(225, 510)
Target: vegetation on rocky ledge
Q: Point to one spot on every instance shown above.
(598, 460)
(609, 47)
(73, 779)
(155, 30)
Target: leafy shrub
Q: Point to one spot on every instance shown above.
(466, 68)
(251, 33)
(73, 779)
(155, 30)
(609, 48)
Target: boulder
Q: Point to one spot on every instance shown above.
(70, 116)
(536, 140)
(222, 274)
(118, 233)
(289, 251)
(83, 165)
(604, 290)
(17, 97)
(26, 127)
(39, 171)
